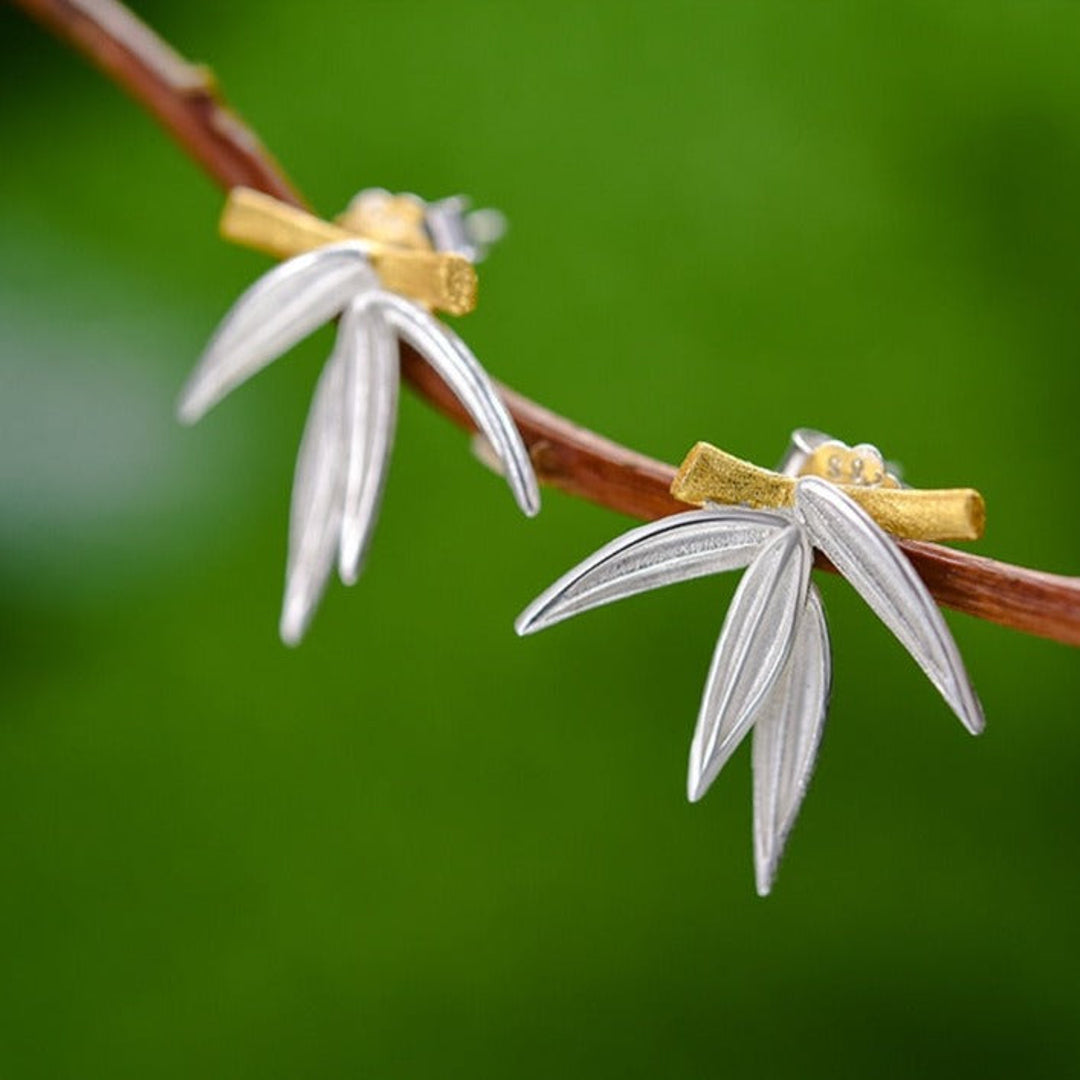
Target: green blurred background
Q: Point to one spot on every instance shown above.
(419, 846)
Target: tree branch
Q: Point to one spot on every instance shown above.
(186, 102)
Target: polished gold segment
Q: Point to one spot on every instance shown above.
(445, 282)
(711, 475)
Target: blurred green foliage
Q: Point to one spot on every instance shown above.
(418, 846)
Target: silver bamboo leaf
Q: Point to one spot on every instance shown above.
(317, 499)
(881, 573)
(471, 385)
(750, 655)
(787, 734)
(280, 309)
(676, 548)
(370, 418)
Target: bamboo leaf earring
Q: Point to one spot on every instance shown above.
(771, 668)
(343, 458)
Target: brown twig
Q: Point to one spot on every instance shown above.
(185, 100)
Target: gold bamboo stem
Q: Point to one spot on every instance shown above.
(439, 280)
(711, 475)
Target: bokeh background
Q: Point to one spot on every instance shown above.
(418, 846)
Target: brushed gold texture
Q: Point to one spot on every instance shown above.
(709, 474)
(441, 281)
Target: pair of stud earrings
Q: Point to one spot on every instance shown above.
(383, 269)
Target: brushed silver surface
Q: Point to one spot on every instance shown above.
(771, 668)
(754, 645)
(873, 563)
(317, 500)
(471, 385)
(345, 451)
(787, 734)
(371, 399)
(673, 549)
(282, 308)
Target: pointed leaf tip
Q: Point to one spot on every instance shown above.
(695, 786)
(187, 412)
(291, 627)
